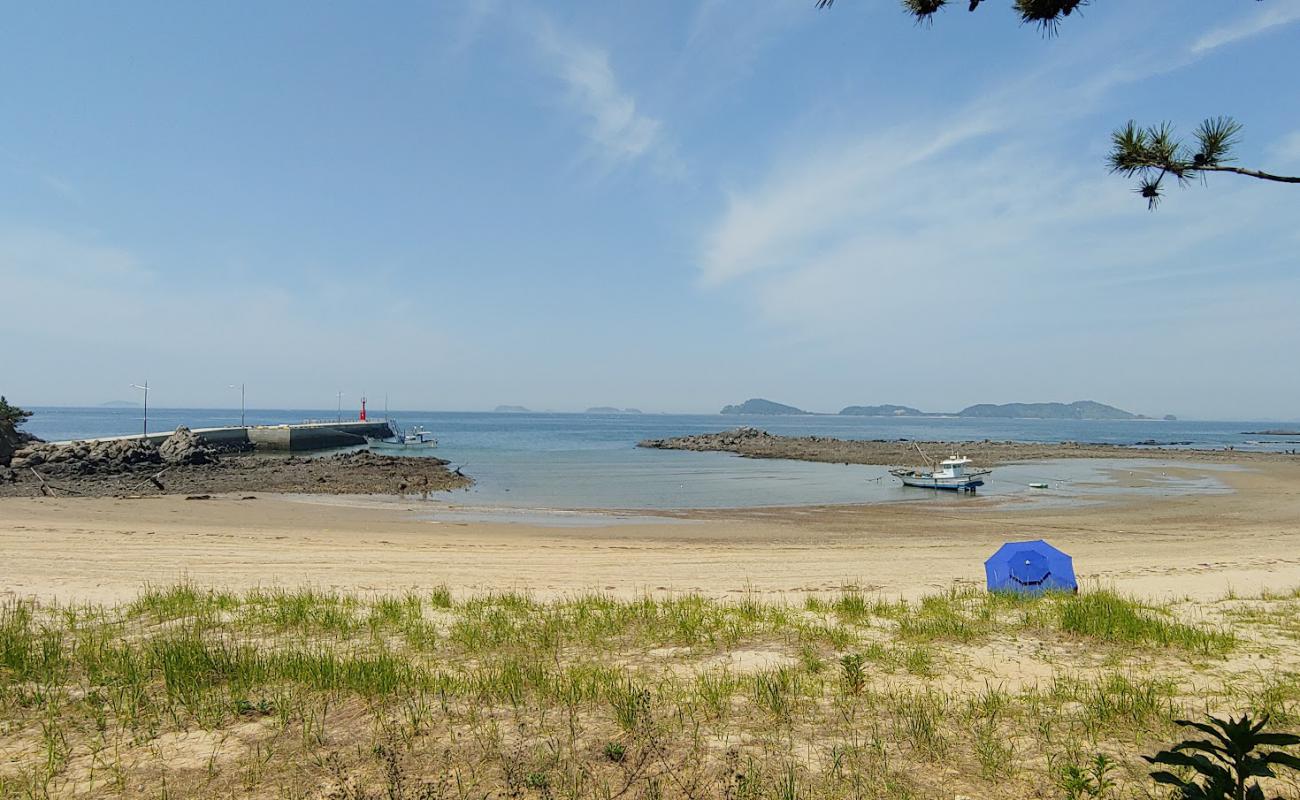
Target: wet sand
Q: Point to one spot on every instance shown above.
(106, 549)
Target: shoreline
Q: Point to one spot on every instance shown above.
(108, 548)
(756, 443)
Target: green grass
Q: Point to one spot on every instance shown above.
(591, 695)
(1109, 617)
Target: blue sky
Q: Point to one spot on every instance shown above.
(666, 205)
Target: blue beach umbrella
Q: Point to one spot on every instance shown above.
(1030, 567)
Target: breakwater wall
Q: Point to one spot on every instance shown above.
(286, 438)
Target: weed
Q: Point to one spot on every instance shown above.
(614, 752)
(1091, 781)
(440, 597)
(855, 677)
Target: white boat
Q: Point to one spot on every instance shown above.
(953, 474)
(416, 437)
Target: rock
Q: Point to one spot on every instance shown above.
(84, 458)
(727, 440)
(186, 447)
(27, 458)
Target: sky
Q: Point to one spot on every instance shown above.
(668, 205)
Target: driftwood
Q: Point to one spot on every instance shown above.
(154, 480)
(48, 488)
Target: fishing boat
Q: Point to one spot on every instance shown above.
(953, 474)
(416, 437)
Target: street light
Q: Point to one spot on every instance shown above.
(145, 389)
(340, 417)
(240, 387)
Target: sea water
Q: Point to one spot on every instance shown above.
(590, 461)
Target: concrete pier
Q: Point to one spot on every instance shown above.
(287, 438)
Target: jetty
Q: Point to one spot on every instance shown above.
(292, 438)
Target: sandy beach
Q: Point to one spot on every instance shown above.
(274, 645)
(107, 549)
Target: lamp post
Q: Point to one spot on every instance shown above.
(340, 411)
(145, 389)
(240, 387)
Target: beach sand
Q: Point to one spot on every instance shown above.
(321, 694)
(107, 549)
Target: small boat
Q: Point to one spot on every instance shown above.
(1037, 486)
(416, 437)
(952, 474)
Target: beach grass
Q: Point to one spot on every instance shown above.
(192, 691)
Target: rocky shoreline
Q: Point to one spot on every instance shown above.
(185, 464)
(757, 443)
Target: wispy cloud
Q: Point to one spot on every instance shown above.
(821, 196)
(726, 38)
(860, 242)
(615, 126)
(464, 24)
(61, 187)
(58, 257)
(828, 198)
(1270, 15)
(1287, 149)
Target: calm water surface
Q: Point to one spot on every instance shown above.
(550, 461)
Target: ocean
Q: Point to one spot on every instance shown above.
(590, 461)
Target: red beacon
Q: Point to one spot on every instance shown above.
(363, 410)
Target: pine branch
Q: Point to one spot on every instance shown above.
(1154, 153)
(1254, 173)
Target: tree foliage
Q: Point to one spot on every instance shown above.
(12, 416)
(1228, 764)
(1154, 154)
(1046, 14)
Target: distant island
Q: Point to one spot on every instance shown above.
(119, 404)
(1080, 409)
(511, 410)
(612, 410)
(883, 411)
(758, 405)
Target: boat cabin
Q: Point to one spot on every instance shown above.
(954, 467)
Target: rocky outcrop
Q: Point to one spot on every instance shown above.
(109, 456)
(755, 443)
(186, 447)
(349, 473)
(738, 440)
(11, 441)
(7, 446)
(85, 458)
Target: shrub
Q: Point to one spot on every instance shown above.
(1222, 766)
